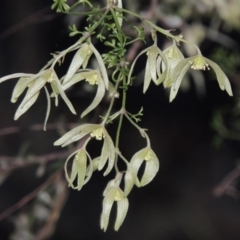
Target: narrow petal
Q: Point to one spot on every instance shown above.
(133, 64)
(98, 98)
(24, 106)
(104, 155)
(64, 96)
(72, 133)
(77, 61)
(122, 208)
(48, 108)
(135, 164)
(36, 86)
(152, 57)
(128, 183)
(107, 207)
(73, 170)
(223, 81)
(75, 79)
(16, 75)
(19, 88)
(111, 154)
(81, 159)
(120, 18)
(147, 77)
(101, 66)
(151, 169)
(178, 74)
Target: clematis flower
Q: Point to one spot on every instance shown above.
(145, 155)
(79, 170)
(99, 133)
(152, 66)
(93, 77)
(173, 56)
(34, 83)
(111, 194)
(198, 62)
(80, 58)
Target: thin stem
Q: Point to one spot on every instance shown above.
(76, 4)
(133, 123)
(124, 98)
(122, 157)
(111, 104)
(80, 41)
(117, 24)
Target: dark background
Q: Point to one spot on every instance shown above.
(179, 204)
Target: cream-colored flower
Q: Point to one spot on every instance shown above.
(152, 71)
(99, 133)
(93, 77)
(80, 58)
(145, 155)
(198, 62)
(173, 56)
(113, 193)
(34, 83)
(79, 169)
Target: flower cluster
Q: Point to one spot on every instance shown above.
(169, 67)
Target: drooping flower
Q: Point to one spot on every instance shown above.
(152, 71)
(111, 194)
(93, 77)
(79, 170)
(34, 83)
(173, 56)
(147, 156)
(99, 133)
(198, 62)
(80, 58)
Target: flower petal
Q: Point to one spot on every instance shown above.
(133, 64)
(151, 169)
(98, 98)
(75, 131)
(107, 206)
(223, 81)
(19, 88)
(101, 65)
(24, 106)
(122, 208)
(77, 61)
(178, 74)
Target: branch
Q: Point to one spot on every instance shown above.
(228, 185)
(29, 197)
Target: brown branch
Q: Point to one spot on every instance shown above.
(37, 17)
(12, 163)
(36, 127)
(228, 185)
(132, 52)
(29, 197)
(46, 231)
